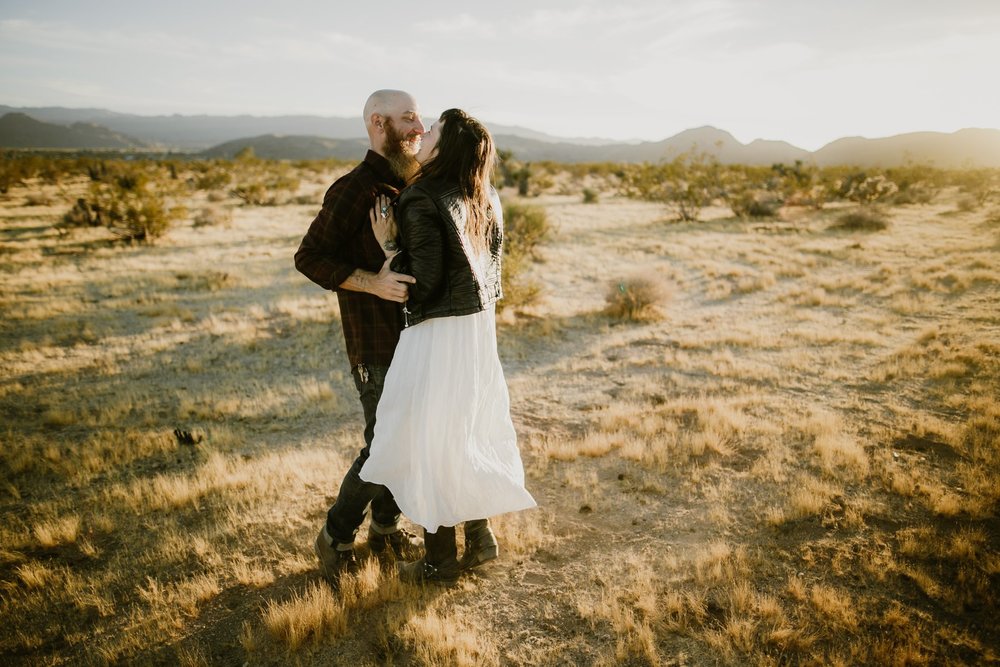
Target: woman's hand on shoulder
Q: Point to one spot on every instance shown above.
(383, 221)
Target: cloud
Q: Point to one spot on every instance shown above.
(462, 26)
(58, 37)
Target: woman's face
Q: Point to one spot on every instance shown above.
(428, 145)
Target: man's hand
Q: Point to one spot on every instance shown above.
(389, 285)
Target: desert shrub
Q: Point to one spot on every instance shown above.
(967, 203)
(211, 176)
(864, 219)
(512, 172)
(15, 169)
(754, 203)
(914, 193)
(918, 184)
(127, 200)
(263, 183)
(977, 186)
(525, 226)
(213, 216)
(82, 214)
(871, 189)
(39, 199)
(687, 184)
(136, 213)
(635, 299)
(590, 196)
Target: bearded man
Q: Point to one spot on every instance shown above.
(340, 253)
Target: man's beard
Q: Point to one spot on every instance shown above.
(403, 163)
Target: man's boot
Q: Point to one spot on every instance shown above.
(440, 562)
(480, 544)
(334, 559)
(393, 542)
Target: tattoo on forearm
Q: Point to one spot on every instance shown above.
(358, 281)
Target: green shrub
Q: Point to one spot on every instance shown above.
(977, 186)
(754, 204)
(263, 183)
(126, 200)
(212, 176)
(590, 196)
(525, 226)
(871, 189)
(688, 184)
(83, 214)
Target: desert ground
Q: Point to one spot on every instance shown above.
(787, 453)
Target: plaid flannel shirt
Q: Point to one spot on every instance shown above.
(340, 240)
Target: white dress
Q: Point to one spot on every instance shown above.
(444, 443)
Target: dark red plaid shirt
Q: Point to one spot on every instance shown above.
(341, 240)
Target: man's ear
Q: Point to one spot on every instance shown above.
(377, 120)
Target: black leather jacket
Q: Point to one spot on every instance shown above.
(435, 249)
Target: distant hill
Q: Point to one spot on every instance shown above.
(961, 149)
(311, 137)
(199, 132)
(18, 130)
(273, 147)
(703, 140)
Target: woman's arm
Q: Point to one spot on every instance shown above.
(421, 237)
(383, 218)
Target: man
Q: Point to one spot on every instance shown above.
(340, 253)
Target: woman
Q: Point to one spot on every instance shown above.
(444, 443)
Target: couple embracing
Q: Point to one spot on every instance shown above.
(411, 240)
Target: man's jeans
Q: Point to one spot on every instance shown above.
(348, 513)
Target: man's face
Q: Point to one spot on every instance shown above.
(402, 145)
(403, 131)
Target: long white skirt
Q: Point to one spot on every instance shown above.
(444, 443)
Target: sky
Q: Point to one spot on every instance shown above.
(803, 71)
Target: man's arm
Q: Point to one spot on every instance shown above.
(320, 256)
(386, 284)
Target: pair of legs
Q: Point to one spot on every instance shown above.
(441, 564)
(348, 512)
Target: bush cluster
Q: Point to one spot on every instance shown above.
(525, 226)
(635, 299)
(128, 199)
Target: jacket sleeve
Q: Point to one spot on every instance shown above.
(421, 232)
(322, 255)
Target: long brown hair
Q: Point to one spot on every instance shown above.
(467, 156)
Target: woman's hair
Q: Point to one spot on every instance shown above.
(466, 155)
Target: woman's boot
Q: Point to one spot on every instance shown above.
(480, 544)
(440, 561)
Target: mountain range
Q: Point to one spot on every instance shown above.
(317, 137)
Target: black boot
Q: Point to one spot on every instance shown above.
(480, 544)
(440, 562)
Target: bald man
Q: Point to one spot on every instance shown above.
(340, 253)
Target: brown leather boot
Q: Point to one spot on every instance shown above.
(480, 544)
(440, 562)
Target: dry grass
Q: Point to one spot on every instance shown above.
(636, 299)
(797, 463)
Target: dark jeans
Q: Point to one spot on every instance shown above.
(348, 513)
